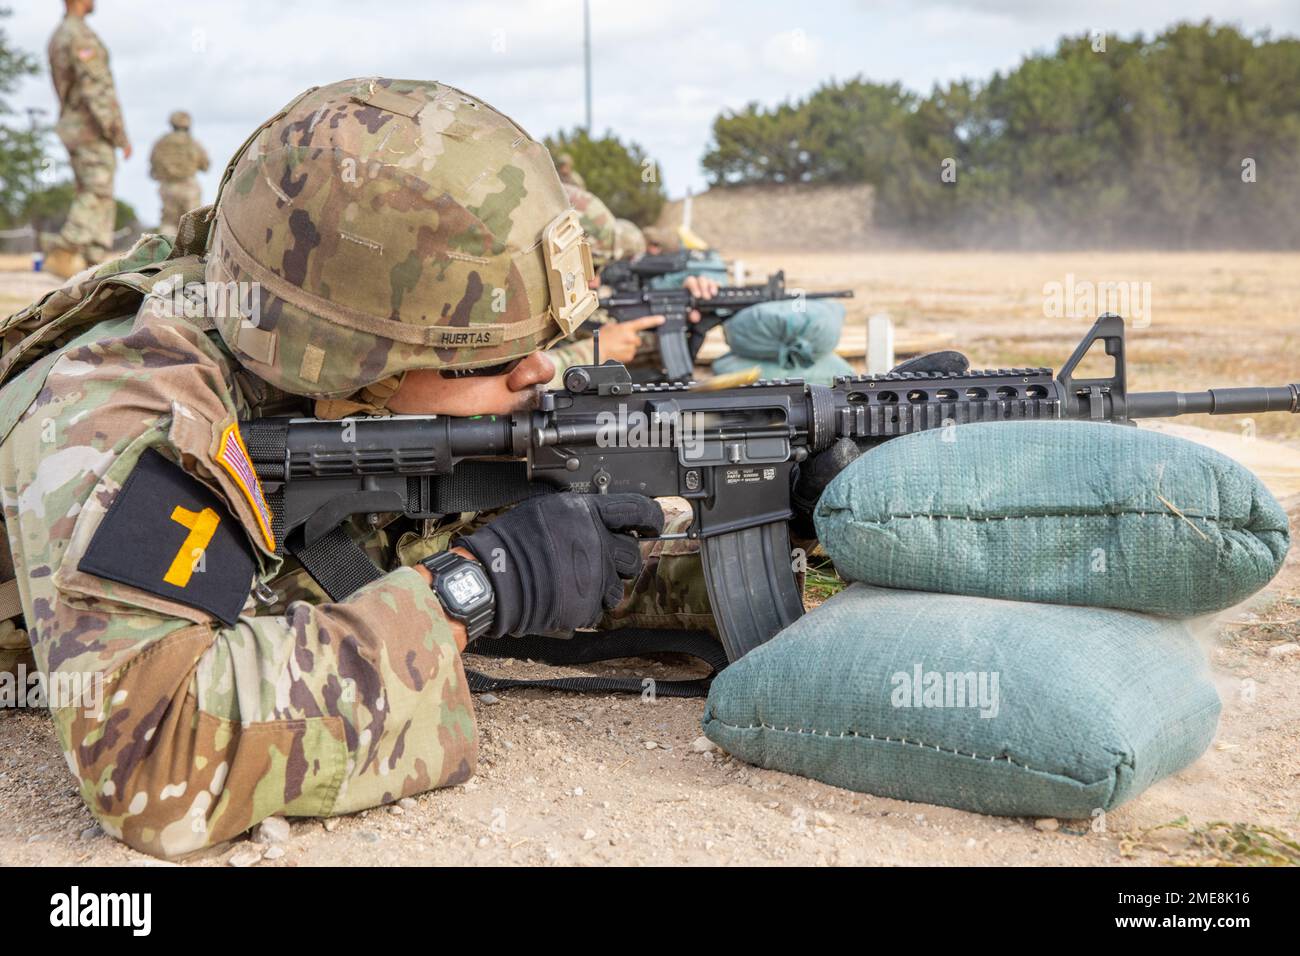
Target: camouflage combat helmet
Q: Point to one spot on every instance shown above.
(628, 241)
(665, 239)
(597, 221)
(391, 225)
(179, 120)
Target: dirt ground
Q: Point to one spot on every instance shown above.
(589, 780)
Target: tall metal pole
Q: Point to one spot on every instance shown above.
(586, 55)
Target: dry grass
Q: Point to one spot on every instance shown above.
(1218, 843)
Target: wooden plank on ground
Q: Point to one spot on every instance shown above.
(852, 344)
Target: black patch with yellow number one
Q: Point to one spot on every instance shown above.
(168, 534)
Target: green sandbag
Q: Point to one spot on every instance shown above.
(993, 706)
(820, 372)
(787, 332)
(1085, 513)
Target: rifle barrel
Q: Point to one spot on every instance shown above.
(1214, 401)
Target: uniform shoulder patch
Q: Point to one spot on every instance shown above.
(233, 456)
(168, 534)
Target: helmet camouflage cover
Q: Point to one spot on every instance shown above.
(597, 221)
(665, 239)
(628, 241)
(179, 120)
(389, 225)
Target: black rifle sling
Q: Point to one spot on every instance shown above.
(337, 563)
(340, 565)
(484, 486)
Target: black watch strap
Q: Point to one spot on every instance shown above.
(477, 622)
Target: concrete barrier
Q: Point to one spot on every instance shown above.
(784, 217)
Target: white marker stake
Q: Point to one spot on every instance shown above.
(880, 344)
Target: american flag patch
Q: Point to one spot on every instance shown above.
(233, 457)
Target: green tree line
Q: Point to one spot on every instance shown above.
(1190, 138)
(22, 149)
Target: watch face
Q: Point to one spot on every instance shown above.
(466, 586)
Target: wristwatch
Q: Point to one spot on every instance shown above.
(464, 590)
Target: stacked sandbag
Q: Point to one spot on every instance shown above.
(979, 704)
(1068, 512)
(792, 338)
(1038, 662)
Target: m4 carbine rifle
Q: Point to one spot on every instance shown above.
(680, 339)
(731, 454)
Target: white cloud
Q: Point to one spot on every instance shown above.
(793, 53)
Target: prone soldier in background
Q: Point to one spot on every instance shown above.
(629, 241)
(91, 127)
(568, 175)
(175, 162)
(621, 341)
(659, 240)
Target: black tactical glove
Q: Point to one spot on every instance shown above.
(817, 472)
(949, 362)
(557, 562)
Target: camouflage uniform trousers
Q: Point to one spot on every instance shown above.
(89, 228)
(179, 196)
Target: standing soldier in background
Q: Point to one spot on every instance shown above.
(91, 127)
(175, 162)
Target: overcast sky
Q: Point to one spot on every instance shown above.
(662, 69)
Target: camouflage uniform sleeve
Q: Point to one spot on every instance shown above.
(328, 709)
(201, 161)
(93, 85)
(192, 731)
(61, 71)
